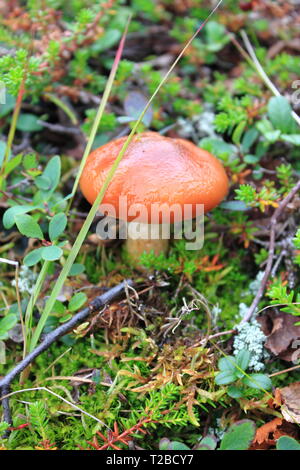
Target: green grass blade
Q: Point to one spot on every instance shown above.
(100, 111)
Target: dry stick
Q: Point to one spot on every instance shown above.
(96, 304)
(268, 270)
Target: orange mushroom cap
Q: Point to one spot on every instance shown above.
(155, 169)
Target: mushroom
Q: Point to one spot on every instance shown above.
(155, 171)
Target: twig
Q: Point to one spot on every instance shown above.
(96, 304)
(290, 369)
(59, 128)
(268, 270)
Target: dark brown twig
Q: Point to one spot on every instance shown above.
(273, 223)
(96, 304)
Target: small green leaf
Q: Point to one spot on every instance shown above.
(234, 392)
(259, 381)
(243, 359)
(287, 443)
(237, 134)
(239, 436)
(28, 123)
(33, 257)
(43, 182)
(51, 253)
(59, 307)
(224, 378)
(248, 139)
(65, 318)
(29, 161)
(9, 214)
(7, 323)
(166, 444)
(107, 40)
(251, 159)
(76, 269)
(227, 363)
(52, 173)
(57, 226)
(279, 112)
(175, 445)
(207, 443)
(77, 301)
(28, 226)
(3, 427)
(13, 163)
(292, 138)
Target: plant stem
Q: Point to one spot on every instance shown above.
(30, 306)
(12, 130)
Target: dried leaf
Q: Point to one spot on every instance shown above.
(282, 334)
(291, 402)
(264, 433)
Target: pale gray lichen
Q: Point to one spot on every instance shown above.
(251, 337)
(199, 126)
(255, 285)
(26, 280)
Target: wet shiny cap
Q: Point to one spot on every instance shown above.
(155, 170)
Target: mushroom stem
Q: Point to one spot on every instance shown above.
(143, 238)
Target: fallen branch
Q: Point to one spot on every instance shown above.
(96, 304)
(274, 220)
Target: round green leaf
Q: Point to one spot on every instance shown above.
(43, 182)
(28, 226)
(57, 226)
(239, 436)
(292, 138)
(9, 214)
(28, 123)
(227, 363)
(51, 253)
(175, 445)
(234, 392)
(208, 442)
(259, 381)
(52, 172)
(7, 323)
(33, 257)
(65, 318)
(76, 269)
(225, 377)
(243, 359)
(279, 111)
(287, 443)
(77, 301)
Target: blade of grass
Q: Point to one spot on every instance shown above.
(85, 228)
(60, 104)
(100, 111)
(31, 303)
